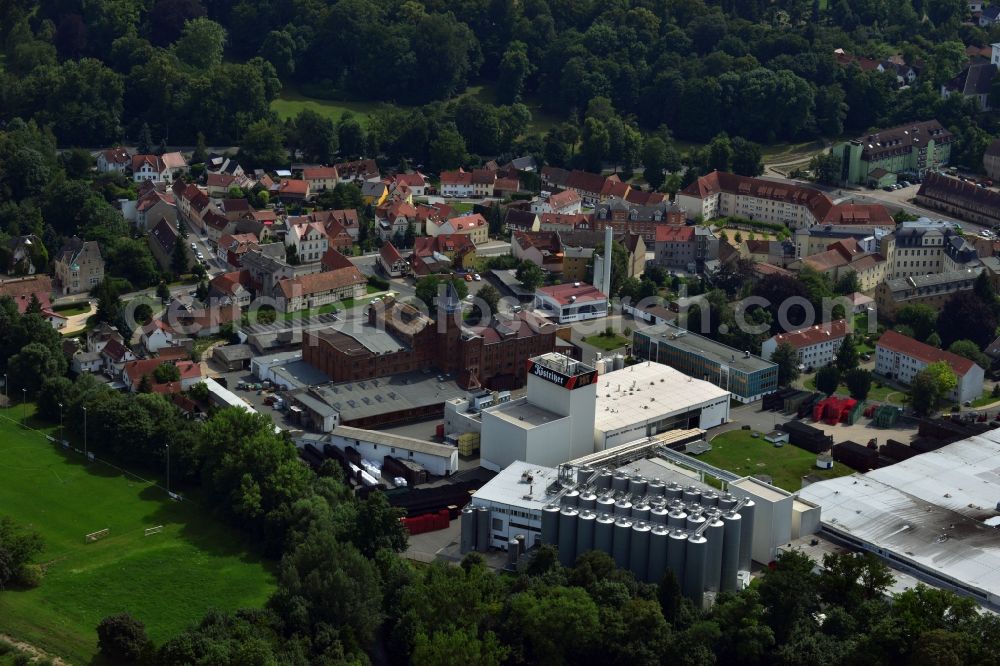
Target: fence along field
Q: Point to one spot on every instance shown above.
(164, 561)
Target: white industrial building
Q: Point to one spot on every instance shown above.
(570, 411)
(649, 398)
(438, 459)
(553, 423)
(934, 516)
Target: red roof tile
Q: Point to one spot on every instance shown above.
(564, 293)
(817, 202)
(898, 342)
(806, 337)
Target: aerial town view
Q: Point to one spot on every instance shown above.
(348, 333)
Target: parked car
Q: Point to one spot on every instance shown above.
(476, 277)
(193, 246)
(468, 277)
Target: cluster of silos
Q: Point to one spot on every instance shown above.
(475, 530)
(648, 526)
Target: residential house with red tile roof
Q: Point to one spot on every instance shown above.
(114, 159)
(314, 291)
(149, 167)
(114, 355)
(415, 181)
(566, 202)
(308, 239)
(393, 218)
(232, 287)
(154, 206)
(542, 248)
(457, 183)
(900, 358)
(162, 240)
(473, 225)
(720, 194)
(816, 345)
(79, 266)
(566, 222)
(357, 171)
(290, 190)
(134, 371)
(442, 252)
(232, 247)
(320, 179)
(621, 214)
(593, 188)
(21, 289)
(847, 256)
(483, 182)
(391, 261)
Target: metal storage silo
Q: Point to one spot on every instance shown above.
(605, 504)
(483, 529)
(693, 522)
(623, 508)
(604, 479)
(676, 553)
(715, 535)
(583, 474)
(673, 490)
(728, 578)
(570, 498)
(637, 486)
(620, 548)
(587, 500)
(658, 515)
(619, 362)
(726, 502)
(691, 495)
(677, 519)
(638, 562)
(619, 482)
(709, 498)
(585, 525)
(657, 553)
(567, 535)
(513, 552)
(550, 525)
(695, 561)
(604, 533)
(746, 534)
(640, 511)
(467, 543)
(656, 488)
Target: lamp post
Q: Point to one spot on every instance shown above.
(24, 406)
(168, 469)
(62, 432)
(6, 402)
(85, 457)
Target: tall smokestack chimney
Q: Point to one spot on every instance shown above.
(608, 242)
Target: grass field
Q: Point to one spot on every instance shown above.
(167, 580)
(738, 452)
(607, 343)
(291, 101)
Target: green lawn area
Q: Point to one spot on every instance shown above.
(168, 580)
(70, 310)
(607, 343)
(986, 398)
(462, 207)
(345, 304)
(291, 101)
(740, 453)
(880, 394)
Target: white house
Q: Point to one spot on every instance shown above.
(565, 303)
(156, 335)
(816, 345)
(309, 240)
(113, 159)
(392, 261)
(457, 184)
(900, 357)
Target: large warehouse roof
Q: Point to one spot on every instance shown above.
(648, 392)
(929, 511)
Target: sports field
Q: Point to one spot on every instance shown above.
(168, 580)
(739, 452)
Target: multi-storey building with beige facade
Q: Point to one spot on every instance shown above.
(79, 266)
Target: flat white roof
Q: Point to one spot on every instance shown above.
(523, 414)
(929, 511)
(649, 391)
(511, 488)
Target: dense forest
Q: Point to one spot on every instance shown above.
(98, 70)
(345, 596)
